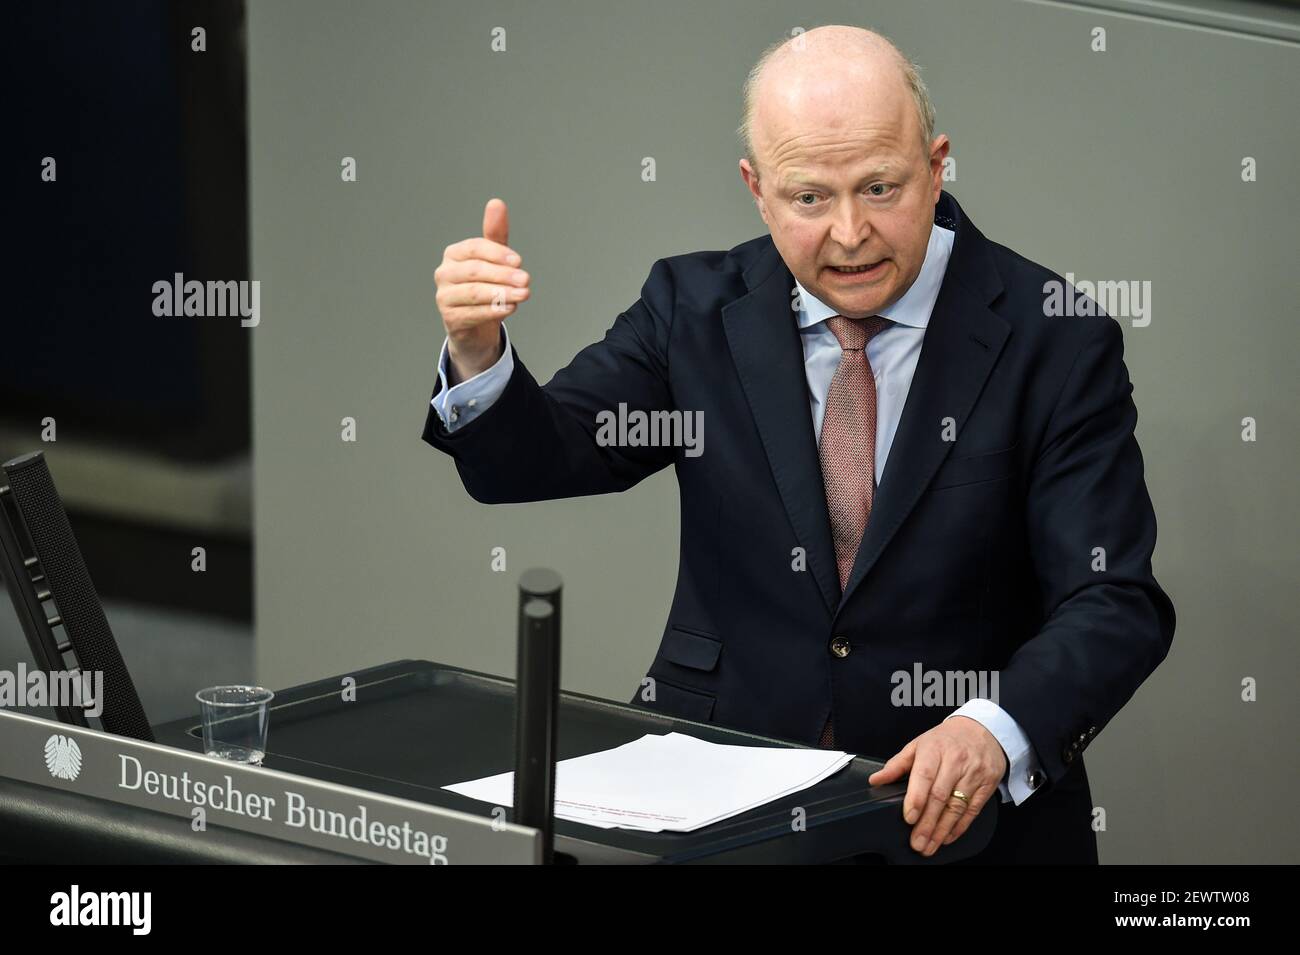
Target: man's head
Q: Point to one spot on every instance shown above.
(843, 163)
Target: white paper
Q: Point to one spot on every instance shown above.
(674, 782)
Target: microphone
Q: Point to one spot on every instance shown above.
(537, 700)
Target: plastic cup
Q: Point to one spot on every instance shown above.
(235, 720)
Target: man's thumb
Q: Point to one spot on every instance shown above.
(895, 768)
(496, 222)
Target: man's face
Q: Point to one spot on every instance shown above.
(848, 184)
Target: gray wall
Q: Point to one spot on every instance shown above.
(1115, 165)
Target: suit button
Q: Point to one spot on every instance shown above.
(840, 647)
(1067, 756)
(1035, 779)
(1092, 731)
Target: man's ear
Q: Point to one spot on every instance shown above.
(938, 153)
(750, 176)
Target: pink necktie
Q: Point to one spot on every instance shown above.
(848, 447)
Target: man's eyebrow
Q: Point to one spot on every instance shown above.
(807, 179)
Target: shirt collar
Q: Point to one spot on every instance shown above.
(917, 303)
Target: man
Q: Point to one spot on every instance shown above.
(909, 469)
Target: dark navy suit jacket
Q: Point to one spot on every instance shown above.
(981, 553)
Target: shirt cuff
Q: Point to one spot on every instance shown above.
(1024, 772)
(459, 405)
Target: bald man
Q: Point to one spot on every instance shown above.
(918, 527)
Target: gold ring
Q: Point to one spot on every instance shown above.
(962, 796)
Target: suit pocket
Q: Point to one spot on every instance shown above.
(976, 468)
(693, 649)
(673, 700)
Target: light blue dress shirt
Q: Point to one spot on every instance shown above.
(893, 355)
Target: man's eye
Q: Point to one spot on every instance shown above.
(802, 195)
(878, 185)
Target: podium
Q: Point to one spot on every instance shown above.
(368, 766)
(415, 726)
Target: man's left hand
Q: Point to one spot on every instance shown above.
(958, 754)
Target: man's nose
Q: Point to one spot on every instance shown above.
(850, 224)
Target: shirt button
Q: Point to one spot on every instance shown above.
(455, 412)
(472, 402)
(840, 647)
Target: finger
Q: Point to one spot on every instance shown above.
(496, 222)
(471, 316)
(978, 800)
(459, 271)
(919, 783)
(485, 249)
(954, 812)
(479, 293)
(945, 779)
(895, 767)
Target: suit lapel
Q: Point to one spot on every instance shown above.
(764, 339)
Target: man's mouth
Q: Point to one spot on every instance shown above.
(861, 269)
